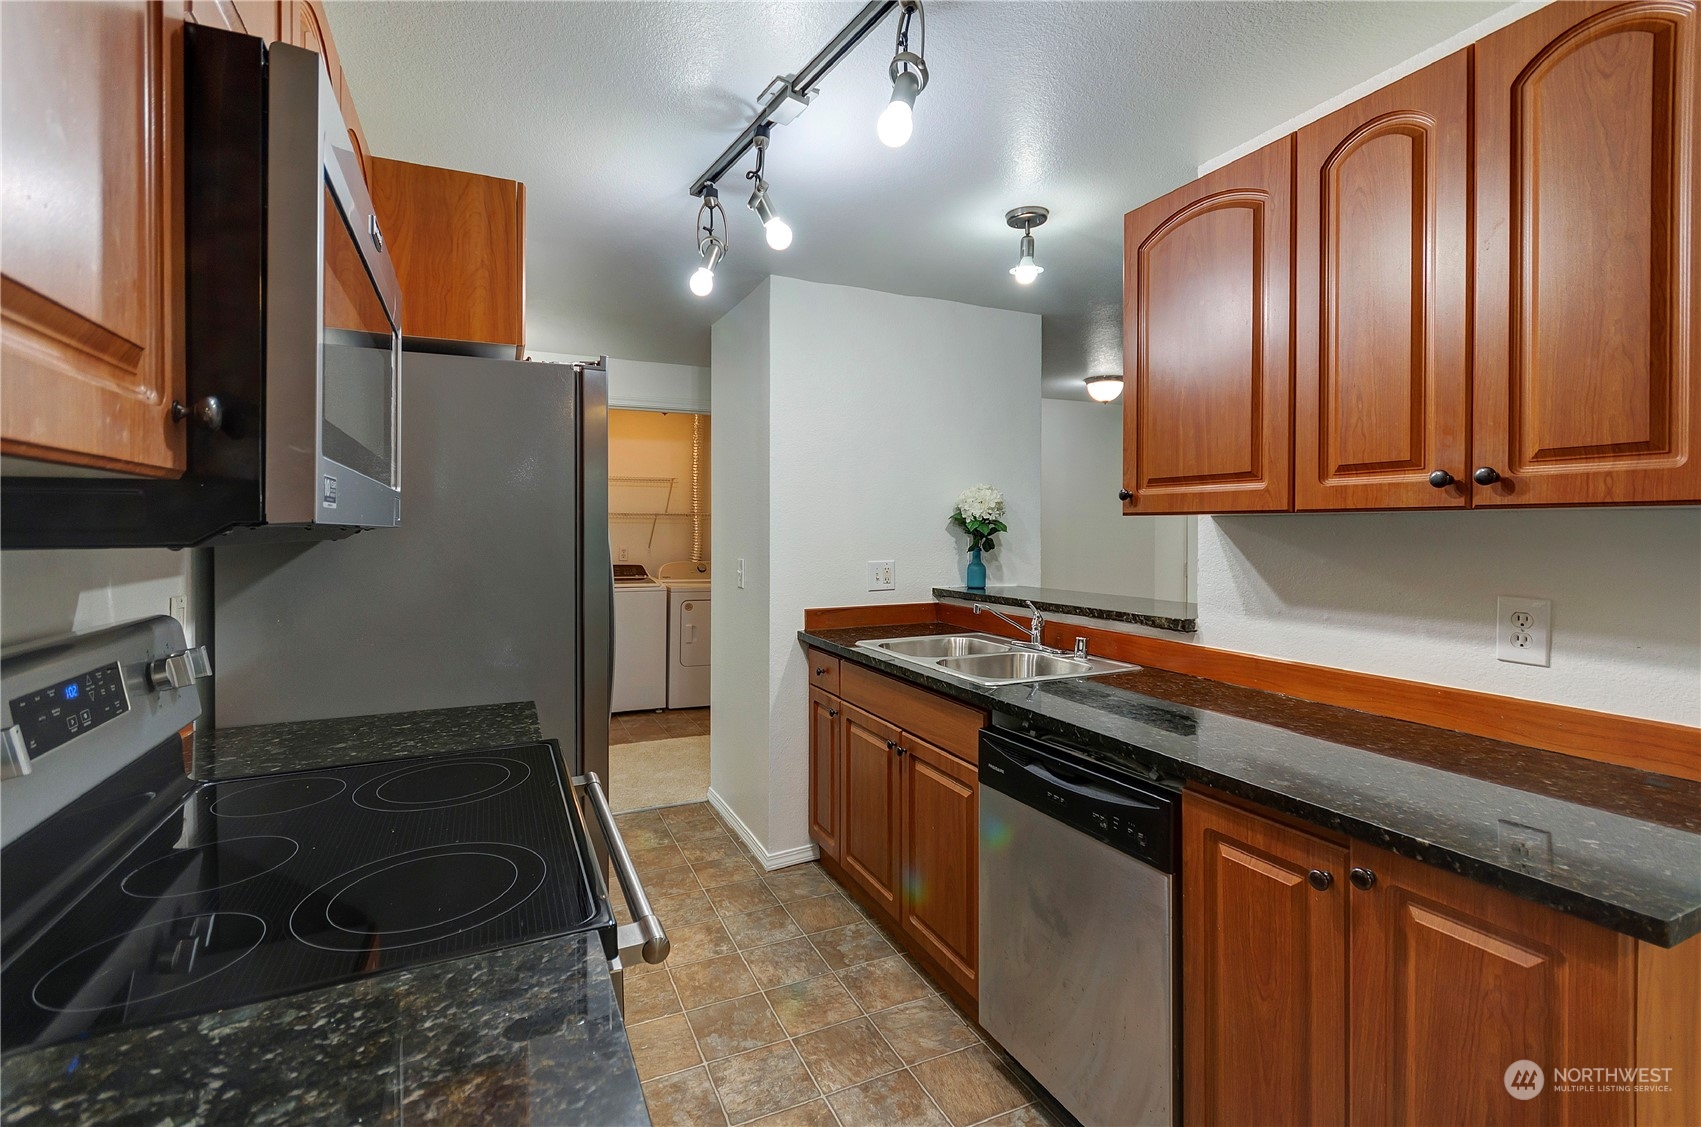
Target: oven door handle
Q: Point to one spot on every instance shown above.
(645, 933)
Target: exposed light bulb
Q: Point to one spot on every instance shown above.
(703, 281)
(897, 122)
(779, 233)
(710, 246)
(1026, 270)
(1104, 389)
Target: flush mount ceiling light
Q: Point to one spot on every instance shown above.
(711, 245)
(779, 231)
(1104, 388)
(1025, 219)
(908, 72)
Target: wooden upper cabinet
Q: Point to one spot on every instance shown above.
(1206, 310)
(826, 773)
(1264, 979)
(940, 833)
(868, 849)
(90, 305)
(1587, 334)
(1381, 371)
(458, 243)
(1453, 981)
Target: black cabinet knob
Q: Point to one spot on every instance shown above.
(1441, 479)
(902, 749)
(207, 411)
(1362, 878)
(820, 671)
(1320, 879)
(832, 712)
(1124, 495)
(1486, 476)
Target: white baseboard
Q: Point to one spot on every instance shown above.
(770, 861)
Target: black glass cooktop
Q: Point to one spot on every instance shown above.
(271, 885)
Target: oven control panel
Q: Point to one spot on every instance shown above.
(59, 713)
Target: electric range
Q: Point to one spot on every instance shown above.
(134, 895)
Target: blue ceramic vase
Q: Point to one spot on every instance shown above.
(977, 571)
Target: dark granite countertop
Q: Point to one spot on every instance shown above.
(1160, 614)
(524, 1034)
(1626, 844)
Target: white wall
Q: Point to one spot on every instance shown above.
(1412, 595)
(881, 409)
(44, 594)
(738, 496)
(1086, 543)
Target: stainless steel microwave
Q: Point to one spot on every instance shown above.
(292, 329)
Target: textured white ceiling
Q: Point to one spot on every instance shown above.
(608, 111)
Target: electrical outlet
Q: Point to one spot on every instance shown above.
(1526, 847)
(623, 554)
(882, 575)
(1521, 630)
(741, 575)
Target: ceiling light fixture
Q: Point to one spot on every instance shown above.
(779, 231)
(1104, 389)
(1026, 219)
(908, 72)
(711, 246)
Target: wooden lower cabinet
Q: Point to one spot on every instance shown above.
(897, 816)
(1453, 981)
(1399, 993)
(869, 849)
(826, 773)
(940, 867)
(1264, 970)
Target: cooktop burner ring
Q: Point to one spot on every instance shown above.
(415, 903)
(260, 859)
(290, 792)
(86, 981)
(438, 784)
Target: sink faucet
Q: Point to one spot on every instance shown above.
(1035, 628)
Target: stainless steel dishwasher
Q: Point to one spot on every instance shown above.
(1078, 927)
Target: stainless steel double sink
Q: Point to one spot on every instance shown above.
(987, 660)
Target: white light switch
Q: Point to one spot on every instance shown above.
(1521, 632)
(882, 575)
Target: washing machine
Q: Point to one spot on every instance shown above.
(640, 641)
(688, 602)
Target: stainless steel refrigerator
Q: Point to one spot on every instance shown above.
(495, 587)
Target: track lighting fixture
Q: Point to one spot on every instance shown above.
(1104, 389)
(779, 231)
(711, 246)
(909, 78)
(1026, 219)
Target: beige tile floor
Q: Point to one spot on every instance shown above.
(783, 1003)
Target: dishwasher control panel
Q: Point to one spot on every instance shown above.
(1138, 817)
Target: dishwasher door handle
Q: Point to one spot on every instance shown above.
(645, 933)
(1086, 790)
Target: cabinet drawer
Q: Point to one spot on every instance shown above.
(823, 672)
(939, 720)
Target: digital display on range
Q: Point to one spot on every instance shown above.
(55, 715)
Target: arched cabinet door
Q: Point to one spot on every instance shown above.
(1207, 350)
(1381, 371)
(1588, 257)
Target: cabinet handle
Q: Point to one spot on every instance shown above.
(1487, 475)
(820, 671)
(208, 412)
(832, 712)
(1320, 879)
(1123, 494)
(902, 749)
(891, 745)
(1441, 479)
(1362, 878)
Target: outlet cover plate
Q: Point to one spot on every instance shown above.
(1521, 631)
(882, 575)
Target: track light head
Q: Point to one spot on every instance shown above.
(711, 245)
(1026, 219)
(777, 229)
(908, 72)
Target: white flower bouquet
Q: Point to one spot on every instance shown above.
(980, 513)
